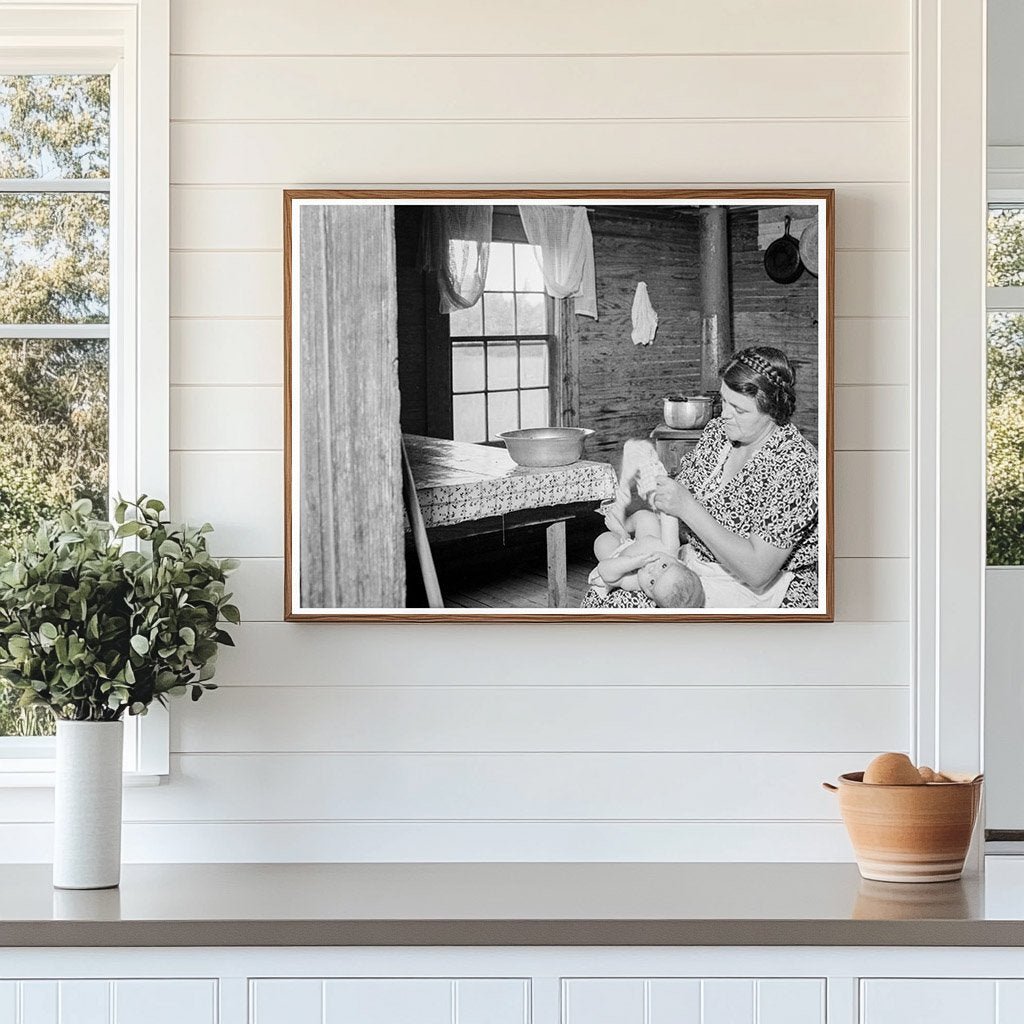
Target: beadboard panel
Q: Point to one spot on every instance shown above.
(465, 842)
(730, 26)
(250, 418)
(727, 152)
(286, 88)
(524, 719)
(867, 589)
(241, 492)
(869, 216)
(247, 284)
(226, 352)
(476, 654)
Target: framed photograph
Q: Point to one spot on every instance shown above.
(558, 405)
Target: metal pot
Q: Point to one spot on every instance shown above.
(782, 258)
(688, 412)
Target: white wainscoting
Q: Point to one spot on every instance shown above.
(679, 741)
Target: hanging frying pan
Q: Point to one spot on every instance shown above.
(809, 247)
(782, 258)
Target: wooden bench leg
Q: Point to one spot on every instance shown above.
(558, 586)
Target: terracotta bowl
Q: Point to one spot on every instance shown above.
(909, 833)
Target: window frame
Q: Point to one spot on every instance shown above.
(130, 41)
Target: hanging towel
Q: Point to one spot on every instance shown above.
(566, 252)
(645, 320)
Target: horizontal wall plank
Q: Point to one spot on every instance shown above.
(867, 589)
(533, 26)
(872, 502)
(227, 352)
(873, 589)
(417, 787)
(868, 350)
(734, 152)
(472, 654)
(872, 216)
(601, 719)
(873, 350)
(873, 283)
(451, 842)
(240, 493)
(538, 87)
(249, 284)
(234, 418)
(237, 418)
(872, 418)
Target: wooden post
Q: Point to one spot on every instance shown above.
(558, 586)
(352, 544)
(716, 304)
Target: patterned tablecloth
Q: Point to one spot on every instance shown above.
(458, 482)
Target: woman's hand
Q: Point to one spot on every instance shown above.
(671, 497)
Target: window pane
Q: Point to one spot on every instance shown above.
(531, 314)
(1005, 482)
(468, 366)
(468, 418)
(464, 323)
(54, 126)
(533, 364)
(54, 258)
(498, 313)
(53, 449)
(499, 268)
(528, 273)
(1005, 247)
(502, 412)
(501, 365)
(534, 408)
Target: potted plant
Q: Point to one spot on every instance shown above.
(93, 629)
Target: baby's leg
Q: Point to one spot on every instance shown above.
(635, 454)
(644, 523)
(606, 545)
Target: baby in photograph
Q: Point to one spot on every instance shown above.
(642, 550)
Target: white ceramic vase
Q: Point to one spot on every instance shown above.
(87, 805)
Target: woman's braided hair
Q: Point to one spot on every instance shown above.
(767, 375)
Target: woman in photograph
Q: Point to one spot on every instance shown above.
(748, 492)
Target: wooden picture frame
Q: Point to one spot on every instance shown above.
(372, 422)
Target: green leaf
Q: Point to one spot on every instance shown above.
(170, 549)
(140, 644)
(231, 613)
(48, 630)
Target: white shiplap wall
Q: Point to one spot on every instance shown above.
(502, 741)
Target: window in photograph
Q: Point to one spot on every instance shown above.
(501, 349)
(54, 309)
(1005, 482)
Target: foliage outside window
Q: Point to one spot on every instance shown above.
(54, 308)
(1005, 484)
(501, 349)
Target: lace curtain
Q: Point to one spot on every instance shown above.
(455, 245)
(567, 252)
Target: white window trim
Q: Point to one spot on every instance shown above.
(131, 41)
(949, 324)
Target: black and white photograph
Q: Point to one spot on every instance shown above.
(558, 405)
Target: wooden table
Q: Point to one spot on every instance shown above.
(469, 489)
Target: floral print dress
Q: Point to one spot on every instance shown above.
(774, 496)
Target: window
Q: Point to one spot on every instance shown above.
(1005, 477)
(84, 395)
(501, 349)
(54, 308)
